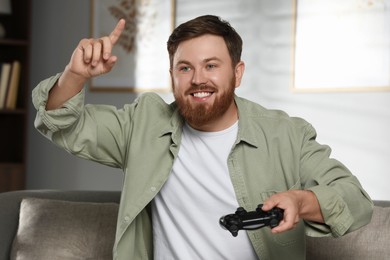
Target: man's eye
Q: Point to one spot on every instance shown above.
(211, 66)
(185, 68)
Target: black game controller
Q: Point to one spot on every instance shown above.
(243, 220)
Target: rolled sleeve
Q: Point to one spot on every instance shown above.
(345, 205)
(48, 122)
(337, 216)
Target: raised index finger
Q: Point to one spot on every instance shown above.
(116, 33)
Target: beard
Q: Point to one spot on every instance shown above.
(202, 114)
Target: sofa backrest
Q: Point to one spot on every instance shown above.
(10, 206)
(369, 242)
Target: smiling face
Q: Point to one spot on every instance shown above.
(204, 81)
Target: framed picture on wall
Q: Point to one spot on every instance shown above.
(143, 63)
(341, 45)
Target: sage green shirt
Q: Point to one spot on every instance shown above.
(273, 153)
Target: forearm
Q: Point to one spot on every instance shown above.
(67, 86)
(308, 206)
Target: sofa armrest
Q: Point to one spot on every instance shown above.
(10, 205)
(368, 242)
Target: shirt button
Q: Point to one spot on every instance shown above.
(153, 188)
(127, 219)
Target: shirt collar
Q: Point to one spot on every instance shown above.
(247, 131)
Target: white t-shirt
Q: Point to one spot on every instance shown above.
(198, 192)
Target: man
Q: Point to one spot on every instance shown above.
(188, 163)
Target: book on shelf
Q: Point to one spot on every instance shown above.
(4, 79)
(13, 85)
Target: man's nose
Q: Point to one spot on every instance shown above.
(199, 77)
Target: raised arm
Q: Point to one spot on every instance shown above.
(92, 57)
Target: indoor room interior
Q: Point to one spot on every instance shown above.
(327, 63)
(354, 123)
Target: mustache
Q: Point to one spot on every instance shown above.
(201, 87)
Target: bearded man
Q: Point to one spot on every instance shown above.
(188, 163)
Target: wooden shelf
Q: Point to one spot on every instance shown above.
(13, 130)
(15, 42)
(17, 111)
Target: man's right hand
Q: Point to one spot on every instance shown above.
(92, 57)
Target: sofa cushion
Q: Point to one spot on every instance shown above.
(55, 229)
(369, 242)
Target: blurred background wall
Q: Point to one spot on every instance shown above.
(355, 124)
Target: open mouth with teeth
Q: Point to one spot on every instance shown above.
(201, 94)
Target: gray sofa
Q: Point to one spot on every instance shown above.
(95, 227)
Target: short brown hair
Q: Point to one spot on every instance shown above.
(206, 24)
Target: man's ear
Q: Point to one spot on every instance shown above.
(171, 76)
(239, 72)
